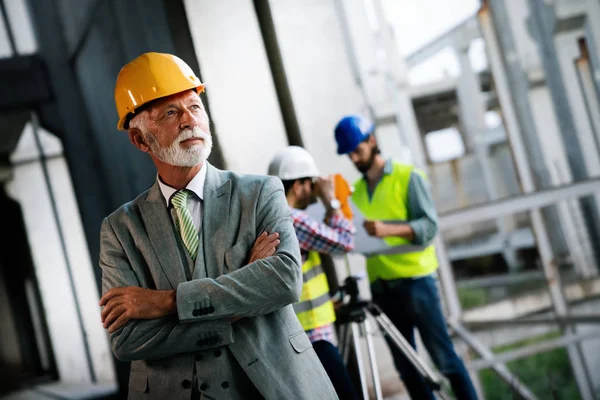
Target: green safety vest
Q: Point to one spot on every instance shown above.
(389, 203)
(315, 308)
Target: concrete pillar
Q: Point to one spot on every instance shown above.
(41, 184)
(472, 115)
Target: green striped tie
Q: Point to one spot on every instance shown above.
(184, 222)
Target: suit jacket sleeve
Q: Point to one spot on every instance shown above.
(158, 338)
(260, 287)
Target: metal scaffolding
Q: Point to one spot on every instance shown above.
(564, 204)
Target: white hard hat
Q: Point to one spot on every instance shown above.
(293, 162)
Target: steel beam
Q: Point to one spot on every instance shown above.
(533, 302)
(501, 280)
(510, 82)
(551, 320)
(513, 381)
(561, 80)
(590, 97)
(464, 31)
(516, 204)
(472, 118)
(592, 33)
(528, 351)
(512, 86)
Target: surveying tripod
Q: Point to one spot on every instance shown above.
(355, 319)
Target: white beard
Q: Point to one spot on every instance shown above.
(179, 156)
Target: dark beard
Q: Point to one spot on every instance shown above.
(365, 166)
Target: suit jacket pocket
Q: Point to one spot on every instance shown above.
(138, 381)
(300, 342)
(236, 257)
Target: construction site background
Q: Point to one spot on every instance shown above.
(497, 100)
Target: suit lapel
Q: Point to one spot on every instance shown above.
(159, 228)
(217, 196)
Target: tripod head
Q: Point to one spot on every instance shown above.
(354, 310)
(350, 288)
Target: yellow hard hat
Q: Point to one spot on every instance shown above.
(150, 77)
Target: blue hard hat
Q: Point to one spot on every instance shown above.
(351, 131)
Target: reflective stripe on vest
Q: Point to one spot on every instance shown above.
(315, 308)
(389, 202)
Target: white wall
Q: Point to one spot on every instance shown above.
(239, 86)
(319, 75)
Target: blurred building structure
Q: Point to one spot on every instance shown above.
(525, 193)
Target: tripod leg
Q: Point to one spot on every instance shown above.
(428, 373)
(359, 361)
(372, 359)
(345, 337)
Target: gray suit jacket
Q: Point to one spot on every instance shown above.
(140, 247)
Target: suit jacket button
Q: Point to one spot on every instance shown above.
(198, 357)
(204, 386)
(195, 313)
(225, 385)
(186, 384)
(217, 353)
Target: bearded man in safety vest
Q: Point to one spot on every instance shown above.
(403, 285)
(315, 309)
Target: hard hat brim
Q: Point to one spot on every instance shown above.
(123, 123)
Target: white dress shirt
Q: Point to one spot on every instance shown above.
(194, 201)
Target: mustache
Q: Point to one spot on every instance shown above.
(195, 133)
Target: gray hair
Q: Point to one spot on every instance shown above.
(139, 121)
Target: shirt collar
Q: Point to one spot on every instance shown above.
(388, 167)
(196, 185)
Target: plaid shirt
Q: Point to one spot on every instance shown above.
(325, 332)
(334, 237)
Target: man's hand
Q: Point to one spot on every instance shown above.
(325, 189)
(381, 229)
(126, 303)
(264, 246)
(376, 228)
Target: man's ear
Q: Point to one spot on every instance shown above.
(137, 139)
(297, 188)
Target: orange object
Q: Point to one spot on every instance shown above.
(342, 192)
(150, 77)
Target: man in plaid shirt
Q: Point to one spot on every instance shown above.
(335, 236)
(332, 236)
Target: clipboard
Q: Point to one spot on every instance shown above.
(365, 244)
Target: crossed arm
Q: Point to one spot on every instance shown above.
(124, 303)
(144, 324)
